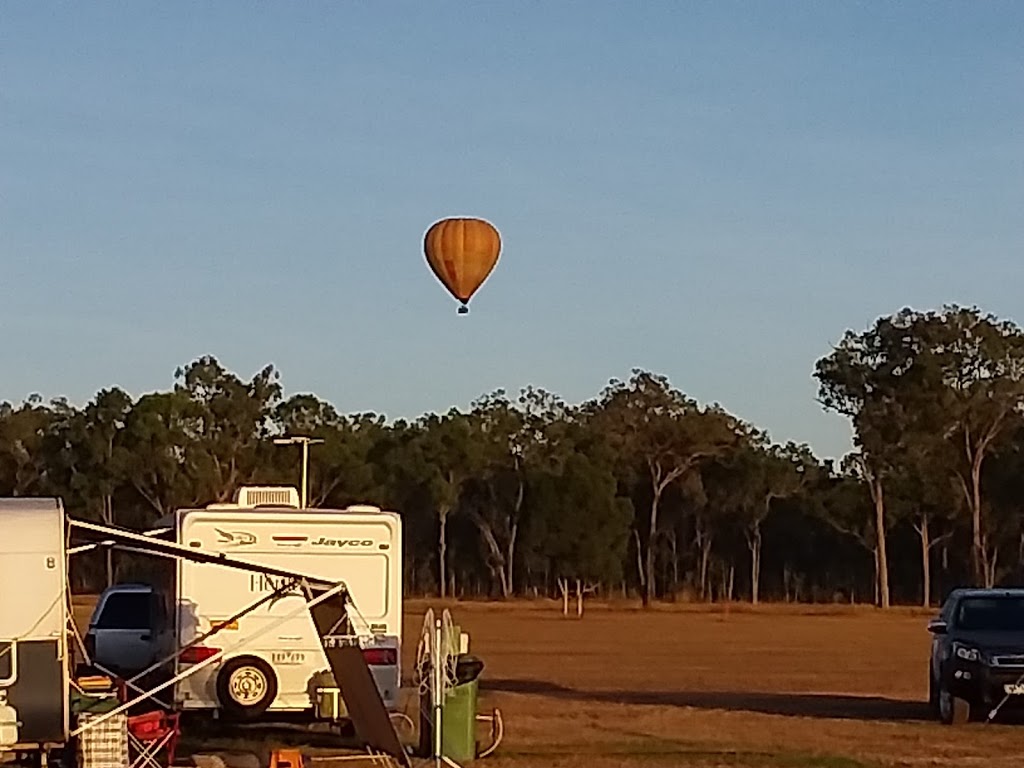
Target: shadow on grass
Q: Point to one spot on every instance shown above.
(205, 734)
(650, 753)
(829, 706)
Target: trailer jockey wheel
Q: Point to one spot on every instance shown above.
(246, 687)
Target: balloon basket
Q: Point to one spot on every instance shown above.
(463, 310)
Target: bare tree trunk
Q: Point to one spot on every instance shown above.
(991, 568)
(660, 480)
(510, 557)
(984, 571)
(496, 563)
(579, 599)
(874, 552)
(639, 561)
(649, 554)
(926, 571)
(513, 532)
(754, 543)
(705, 560)
(979, 558)
(928, 543)
(108, 519)
(674, 544)
(563, 587)
(442, 548)
(878, 496)
(506, 589)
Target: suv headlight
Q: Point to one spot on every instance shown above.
(966, 652)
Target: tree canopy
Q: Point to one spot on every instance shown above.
(639, 491)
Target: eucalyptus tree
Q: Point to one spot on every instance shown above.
(659, 436)
(979, 392)
(874, 378)
(228, 424)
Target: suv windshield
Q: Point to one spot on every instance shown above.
(991, 614)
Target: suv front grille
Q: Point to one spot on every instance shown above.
(1009, 660)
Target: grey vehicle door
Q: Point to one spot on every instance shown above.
(123, 631)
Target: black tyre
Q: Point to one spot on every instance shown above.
(933, 694)
(952, 709)
(246, 687)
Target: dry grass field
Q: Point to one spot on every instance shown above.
(783, 686)
(695, 686)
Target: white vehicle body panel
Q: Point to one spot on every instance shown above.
(362, 549)
(33, 620)
(32, 570)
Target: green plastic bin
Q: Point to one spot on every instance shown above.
(458, 713)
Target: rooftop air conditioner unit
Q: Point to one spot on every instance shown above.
(362, 508)
(267, 496)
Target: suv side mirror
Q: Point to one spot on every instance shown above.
(937, 627)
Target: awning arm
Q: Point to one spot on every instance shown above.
(122, 538)
(218, 627)
(334, 592)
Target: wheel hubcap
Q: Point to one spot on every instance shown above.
(247, 685)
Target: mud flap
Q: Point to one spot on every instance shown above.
(365, 706)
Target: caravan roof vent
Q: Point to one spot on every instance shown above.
(267, 496)
(362, 508)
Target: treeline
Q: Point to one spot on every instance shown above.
(638, 491)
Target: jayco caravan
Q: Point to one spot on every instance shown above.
(33, 616)
(286, 670)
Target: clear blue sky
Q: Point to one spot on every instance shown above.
(711, 190)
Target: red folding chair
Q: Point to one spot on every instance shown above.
(151, 734)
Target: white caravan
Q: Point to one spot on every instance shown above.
(285, 670)
(37, 716)
(34, 675)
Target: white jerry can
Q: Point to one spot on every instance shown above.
(8, 722)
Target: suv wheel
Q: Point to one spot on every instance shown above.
(952, 709)
(933, 694)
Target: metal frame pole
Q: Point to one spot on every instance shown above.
(438, 691)
(305, 473)
(214, 630)
(337, 589)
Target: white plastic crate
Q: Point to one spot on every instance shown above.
(104, 745)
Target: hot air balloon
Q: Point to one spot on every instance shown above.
(462, 252)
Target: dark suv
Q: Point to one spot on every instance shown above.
(977, 659)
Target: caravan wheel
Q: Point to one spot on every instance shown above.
(246, 687)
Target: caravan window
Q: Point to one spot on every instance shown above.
(126, 610)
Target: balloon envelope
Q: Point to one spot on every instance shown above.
(462, 252)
